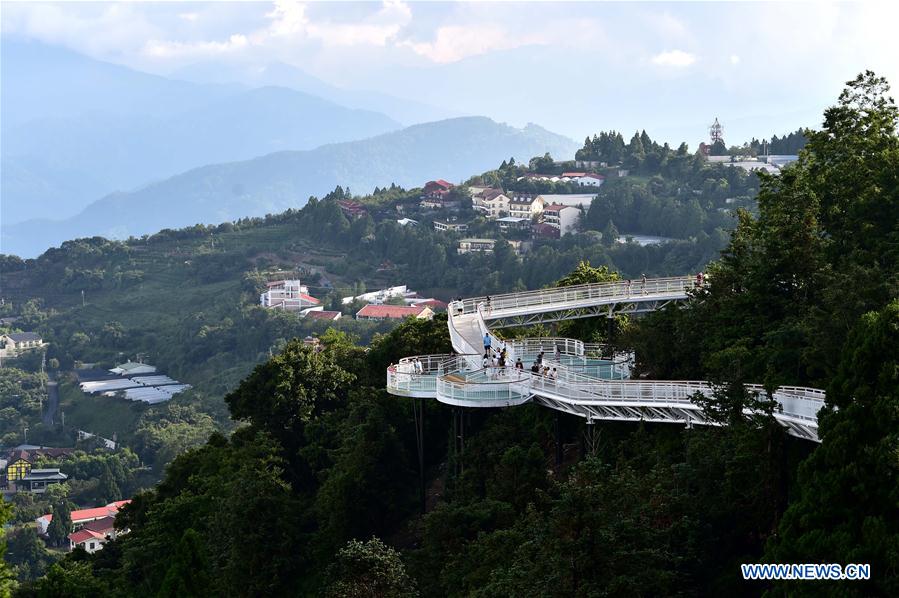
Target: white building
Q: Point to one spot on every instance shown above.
(379, 297)
(590, 180)
(492, 202)
(508, 223)
(450, 227)
(15, 343)
(485, 246)
(525, 205)
(563, 218)
(289, 295)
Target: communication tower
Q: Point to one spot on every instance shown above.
(716, 133)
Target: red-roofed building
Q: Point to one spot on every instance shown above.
(82, 516)
(546, 231)
(434, 304)
(89, 540)
(573, 175)
(352, 209)
(93, 534)
(394, 312)
(437, 188)
(323, 315)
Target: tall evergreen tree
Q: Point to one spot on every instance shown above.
(847, 510)
(61, 524)
(188, 575)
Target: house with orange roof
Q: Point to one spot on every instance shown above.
(394, 312)
(83, 516)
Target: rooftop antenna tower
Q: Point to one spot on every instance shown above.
(716, 132)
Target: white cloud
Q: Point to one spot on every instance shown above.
(376, 30)
(287, 18)
(289, 24)
(674, 58)
(734, 59)
(98, 29)
(189, 16)
(168, 49)
(455, 42)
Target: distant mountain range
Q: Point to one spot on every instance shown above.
(451, 149)
(75, 128)
(279, 74)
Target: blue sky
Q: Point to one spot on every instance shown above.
(575, 68)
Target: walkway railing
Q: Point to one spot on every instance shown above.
(499, 389)
(623, 290)
(581, 384)
(417, 375)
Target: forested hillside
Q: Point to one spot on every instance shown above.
(316, 491)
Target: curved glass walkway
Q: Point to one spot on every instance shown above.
(581, 378)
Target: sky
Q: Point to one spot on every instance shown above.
(575, 68)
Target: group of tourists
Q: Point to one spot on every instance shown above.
(494, 358)
(628, 283)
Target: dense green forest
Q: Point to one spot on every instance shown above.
(642, 152)
(316, 491)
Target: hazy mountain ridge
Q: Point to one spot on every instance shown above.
(279, 74)
(452, 149)
(101, 127)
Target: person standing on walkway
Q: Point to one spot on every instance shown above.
(487, 343)
(643, 287)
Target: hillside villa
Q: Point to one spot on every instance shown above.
(289, 295)
(19, 462)
(493, 203)
(321, 314)
(94, 534)
(82, 516)
(15, 343)
(563, 218)
(394, 312)
(486, 246)
(351, 209)
(382, 295)
(525, 205)
(452, 227)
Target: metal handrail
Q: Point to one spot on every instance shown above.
(624, 289)
(797, 406)
(548, 344)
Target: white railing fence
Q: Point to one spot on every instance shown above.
(678, 285)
